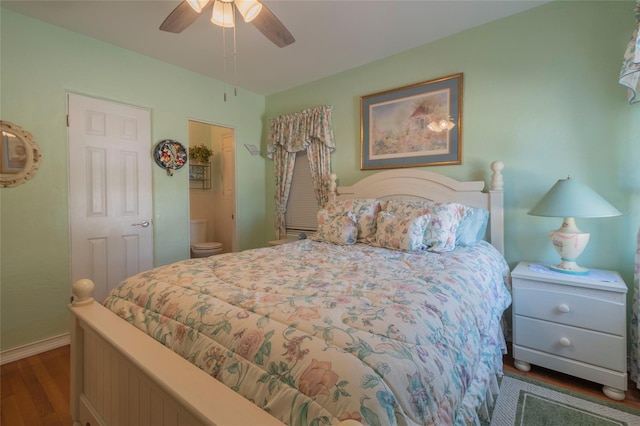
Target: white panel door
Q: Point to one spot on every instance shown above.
(110, 198)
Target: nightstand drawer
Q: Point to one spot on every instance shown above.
(570, 342)
(585, 308)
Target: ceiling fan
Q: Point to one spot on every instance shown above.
(224, 15)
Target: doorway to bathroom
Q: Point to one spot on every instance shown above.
(212, 187)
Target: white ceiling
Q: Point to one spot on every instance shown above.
(331, 35)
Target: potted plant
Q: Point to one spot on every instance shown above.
(200, 154)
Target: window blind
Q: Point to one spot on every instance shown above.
(302, 206)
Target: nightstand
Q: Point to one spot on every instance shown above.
(571, 323)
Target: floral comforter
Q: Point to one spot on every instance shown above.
(316, 333)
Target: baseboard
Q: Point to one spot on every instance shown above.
(34, 348)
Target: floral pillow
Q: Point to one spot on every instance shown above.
(401, 233)
(440, 234)
(445, 219)
(406, 208)
(336, 228)
(364, 211)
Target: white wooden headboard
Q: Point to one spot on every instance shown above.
(414, 184)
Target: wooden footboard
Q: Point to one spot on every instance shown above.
(120, 376)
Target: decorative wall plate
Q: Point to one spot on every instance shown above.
(170, 155)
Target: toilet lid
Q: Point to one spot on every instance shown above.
(207, 246)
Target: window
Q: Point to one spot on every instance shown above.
(302, 206)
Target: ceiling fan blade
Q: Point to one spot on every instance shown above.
(180, 18)
(269, 25)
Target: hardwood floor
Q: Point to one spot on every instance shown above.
(35, 390)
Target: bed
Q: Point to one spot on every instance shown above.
(342, 328)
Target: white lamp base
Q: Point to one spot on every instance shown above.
(569, 267)
(569, 242)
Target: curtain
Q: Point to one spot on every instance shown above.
(310, 130)
(320, 164)
(635, 325)
(630, 73)
(284, 162)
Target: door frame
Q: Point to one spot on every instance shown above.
(234, 242)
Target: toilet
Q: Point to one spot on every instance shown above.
(200, 247)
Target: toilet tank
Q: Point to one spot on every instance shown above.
(197, 231)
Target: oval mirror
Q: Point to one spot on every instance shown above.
(19, 155)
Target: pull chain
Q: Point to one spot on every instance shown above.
(224, 64)
(235, 61)
(224, 49)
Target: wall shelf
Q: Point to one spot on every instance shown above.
(199, 176)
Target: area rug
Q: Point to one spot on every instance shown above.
(526, 403)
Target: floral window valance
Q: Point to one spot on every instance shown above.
(309, 130)
(630, 73)
(294, 132)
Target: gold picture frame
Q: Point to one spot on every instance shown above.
(412, 126)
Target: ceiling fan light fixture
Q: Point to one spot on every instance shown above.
(249, 9)
(223, 15)
(198, 5)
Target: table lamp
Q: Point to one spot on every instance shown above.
(569, 199)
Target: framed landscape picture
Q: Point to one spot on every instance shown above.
(412, 126)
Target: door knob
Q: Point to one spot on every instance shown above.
(144, 224)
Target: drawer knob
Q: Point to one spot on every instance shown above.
(564, 308)
(565, 342)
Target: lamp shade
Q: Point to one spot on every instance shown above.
(571, 198)
(223, 14)
(198, 5)
(249, 9)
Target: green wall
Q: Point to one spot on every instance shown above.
(540, 94)
(40, 64)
